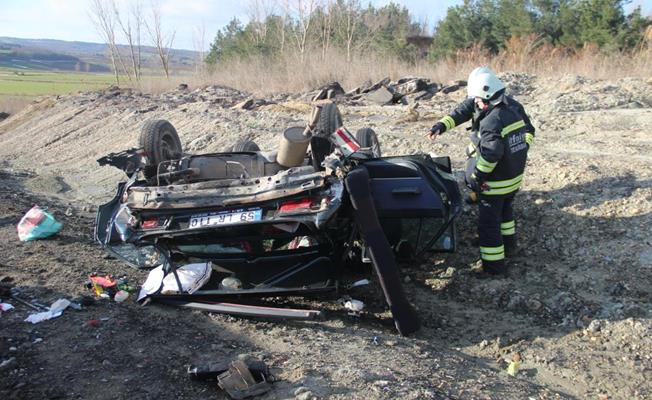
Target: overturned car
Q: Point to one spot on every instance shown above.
(278, 223)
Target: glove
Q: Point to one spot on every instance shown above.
(476, 185)
(437, 129)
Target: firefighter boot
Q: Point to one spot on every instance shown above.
(511, 249)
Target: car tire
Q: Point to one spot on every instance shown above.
(367, 137)
(161, 142)
(329, 120)
(245, 145)
(320, 146)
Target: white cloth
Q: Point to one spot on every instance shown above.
(191, 276)
(56, 309)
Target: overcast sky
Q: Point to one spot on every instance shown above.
(68, 19)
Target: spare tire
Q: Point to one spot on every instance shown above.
(329, 120)
(161, 143)
(367, 137)
(320, 146)
(245, 145)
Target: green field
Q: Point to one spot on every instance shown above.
(31, 83)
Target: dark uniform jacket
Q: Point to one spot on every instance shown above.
(501, 136)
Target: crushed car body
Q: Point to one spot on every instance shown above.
(272, 229)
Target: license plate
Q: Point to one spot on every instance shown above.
(226, 218)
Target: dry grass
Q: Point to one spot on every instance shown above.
(264, 76)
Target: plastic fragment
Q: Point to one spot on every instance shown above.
(37, 224)
(56, 309)
(514, 365)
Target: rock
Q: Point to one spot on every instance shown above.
(450, 88)
(484, 344)
(406, 79)
(516, 302)
(182, 86)
(561, 302)
(244, 105)
(321, 95)
(375, 86)
(333, 89)
(533, 305)
(418, 96)
(380, 96)
(412, 86)
(618, 289)
(146, 110)
(449, 273)
(201, 142)
(353, 92)
(305, 396)
(300, 389)
(8, 363)
(407, 279)
(595, 326)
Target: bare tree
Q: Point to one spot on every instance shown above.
(162, 41)
(259, 11)
(349, 24)
(328, 9)
(102, 17)
(131, 26)
(282, 21)
(199, 43)
(303, 12)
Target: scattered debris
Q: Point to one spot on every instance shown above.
(240, 378)
(37, 224)
(514, 365)
(120, 296)
(6, 307)
(328, 91)
(8, 363)
(15, 295)
(185, 279)
(241, 382)
(6, 284)
(382, 96)
(56, 309)
(108, 287)
(95, 323)
(356, 306)
(211, 370)
(361, 282)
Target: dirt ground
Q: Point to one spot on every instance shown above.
(576, 305)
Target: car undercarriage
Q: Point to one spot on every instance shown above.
(265, 228)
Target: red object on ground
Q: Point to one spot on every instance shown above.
(95, 323)
(104, 281)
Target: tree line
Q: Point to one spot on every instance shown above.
(300, 27)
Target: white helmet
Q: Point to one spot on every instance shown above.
(483, 83)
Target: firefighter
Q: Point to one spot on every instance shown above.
(501, 134)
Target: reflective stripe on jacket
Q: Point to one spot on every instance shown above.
(503, 139)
